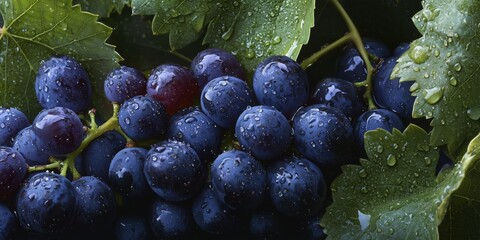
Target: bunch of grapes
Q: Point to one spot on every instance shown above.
(190, 153)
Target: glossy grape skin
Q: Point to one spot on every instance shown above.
(212, 63)
(373, 119)
(98, 155)
(214, 217)
(96, 205)
(13, 170)
(239, 180)
(267, 223)
(126, 173)
(62, 82)
(196, 129)
(174, 86)
(350, 65)
(223, 99)
(297, 187)
(400, 49)
(263, 131)
(59, 130)
(172, 220)
(128, 227)
(28, 144)
(391, 93)
(324, 135)
(12, 121)
(46, 203)
(143, 118)
(282, 83)
(340, 94)
(174, 171)
(8, 222)
(124, 83)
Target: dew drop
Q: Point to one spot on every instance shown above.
(474, 113)
(362, 173)
(453, 81)
(391, 160)
(428, 161)
(433, 95)
(418, 54)
(457, 67)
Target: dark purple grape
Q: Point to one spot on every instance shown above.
(28, 144)
(12, 171)
(124, 83)
(11, 122)
(98, 155)
(223, 99)
(400, 49)
(143, 118)
(128, 227)
(59, 130)
(282, 83)
(351, 66)
(238, 180)
(8, 223)
(62, 82)
(172, 220)
(212, 63)
(196, 129)
(297, 187)
(46, 203)
(340, 94)
(96, 205)
(374, 119)
(267, 223)
(126, 173)
(214, 217)
(174, 171)
(264, 132)
(324, 135)
(391, 93)
(174, 86)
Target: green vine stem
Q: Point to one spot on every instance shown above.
(93, 132)
(354, 36)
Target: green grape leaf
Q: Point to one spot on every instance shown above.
(250, 30)
(103, 8)
(35, 30)
(395, 194)
(443, 64)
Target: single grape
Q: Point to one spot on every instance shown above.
(282, 83)
(62, 82)
(124, 83)
(297, 187)
(212, 63)
(324, 135)
(98, 155)
(350, 65)
(267, 223)
(174, 171)
(174, 86)
(223, 99)
(340, 94)
(59, 130)
(263, 131)
(46, 203)
(28, 144)
(391, 93)
(214, 217)
(172, 220)
(196, 129)
(374, 119)
(238, 180)
(126, 173)
(96, 205)
(143, 118)
(8, 222)
(13, 170)
(128, 227)
(12, 121)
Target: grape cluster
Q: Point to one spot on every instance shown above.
(191, 153)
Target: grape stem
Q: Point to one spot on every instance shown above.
(92, 134)
(354, 36)
(56, 164)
